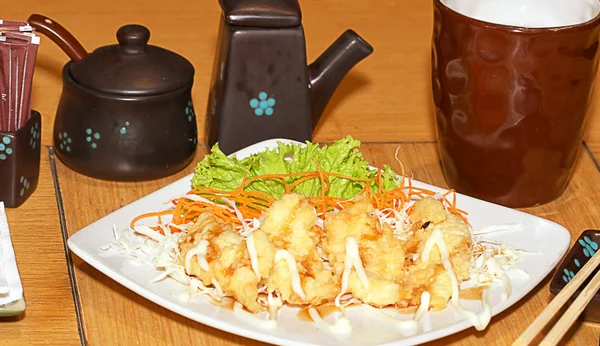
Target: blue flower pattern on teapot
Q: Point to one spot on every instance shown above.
(263, 104)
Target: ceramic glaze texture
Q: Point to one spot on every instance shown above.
(510, 105)
(121, 138)
(261, 61)
(121, 112)
(20, 162)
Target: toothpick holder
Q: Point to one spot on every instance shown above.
(20, 161)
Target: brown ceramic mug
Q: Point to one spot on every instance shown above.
(511, 101)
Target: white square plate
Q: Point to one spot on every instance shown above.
(548, 240)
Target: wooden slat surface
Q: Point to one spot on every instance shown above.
(385, 99)
(113, 314)
(140, 321)
(37, 240)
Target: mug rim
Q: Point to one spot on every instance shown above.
(519, 29)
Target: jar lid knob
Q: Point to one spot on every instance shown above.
(133, 38)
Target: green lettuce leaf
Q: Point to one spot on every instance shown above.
(343, 157)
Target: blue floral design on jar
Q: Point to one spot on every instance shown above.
(92, 137)
(123, 129)
(24, 185)
(64, 141)
(5, 149)
(189, 111)
(35, 135)
(263, 104)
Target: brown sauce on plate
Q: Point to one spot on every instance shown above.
(473, 293)
(404, 311)
(324, 310)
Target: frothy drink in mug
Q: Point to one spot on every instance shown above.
(528, 13)
(512, 83)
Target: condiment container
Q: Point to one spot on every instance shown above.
(126, 111)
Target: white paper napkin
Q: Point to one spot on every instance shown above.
(11, 288)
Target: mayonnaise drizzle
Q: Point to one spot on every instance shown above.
(294, 275)
(407, 327)
(341, 326)
(252, 319)
(274, 304)
(200, 251)
(352, 260)
(253, 255)
(479, 321)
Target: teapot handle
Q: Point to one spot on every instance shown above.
(57, 33)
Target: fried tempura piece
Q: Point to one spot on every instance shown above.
(227, 258)
(459, 242)
(426, 210)
(381, 254)
(265, 252)
(290, 226)
(380, 293)
(288, 247)
(431, 275)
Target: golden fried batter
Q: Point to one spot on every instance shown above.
(430, 275)
(428, 209)
(290, 225)
(227, 258)
(381, 253)
(395, 270)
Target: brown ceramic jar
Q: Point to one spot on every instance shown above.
(510, 105)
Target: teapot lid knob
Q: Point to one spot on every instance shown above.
(133, 38)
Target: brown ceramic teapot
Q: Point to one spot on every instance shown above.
(262, 86)
(125, 112)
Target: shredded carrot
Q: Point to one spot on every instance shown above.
(252, 203)
(153, 214)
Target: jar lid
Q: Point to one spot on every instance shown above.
(133, 67)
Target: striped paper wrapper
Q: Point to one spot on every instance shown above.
(18, 50)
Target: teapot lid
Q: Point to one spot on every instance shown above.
(133, 67)
(262, 13)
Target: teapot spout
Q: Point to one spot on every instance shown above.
(329, 69)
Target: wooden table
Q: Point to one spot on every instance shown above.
(385, 102)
